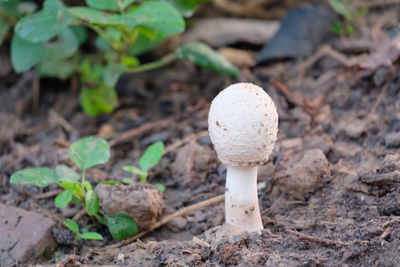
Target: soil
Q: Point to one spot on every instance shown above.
(329, 195)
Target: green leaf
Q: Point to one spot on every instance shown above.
(80, 33)
(10, 8)
(77, 200)
(66, 45)
(110, 182)
(27, 7)
(160, 187)
(57, 69)
(45, 24)
(114, 5)
(125, 3)
(66, 174)
(89, 152)
(127, 181)
(158, 16)
(111, 75)
(185, 7)
(146, 41)
(130, 61)
(341, 9)
(63, 198)
(103, 4)
(100, 218)
(135, 170)
(121, 226)
(87, 186)
(204, 56)
(26, 54)
(85, 229)
(95, 16)
(35, 176)
(151, 156)
(77, 187)
(102, 44)
(100, 100)
(92, 236)
(337, 28)
(71, 225)
(92, 203)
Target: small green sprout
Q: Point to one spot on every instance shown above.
(148, 160)
(85, 234)
(347, 26)
(85, 153)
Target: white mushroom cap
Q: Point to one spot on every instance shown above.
(243, 125)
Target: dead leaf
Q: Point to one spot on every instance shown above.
(238, 57)
(224, 31)
(384, 52)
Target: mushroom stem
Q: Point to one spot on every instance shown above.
(241, 199)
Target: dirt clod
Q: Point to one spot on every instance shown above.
(143, 202)
(223, 234)
(306, 174)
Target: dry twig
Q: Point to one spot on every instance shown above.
(325, 50)
(381, 178)
(323, 241)
(139, 130)
(47, 194)
(396, 219)
(184, 141)
(79, 215)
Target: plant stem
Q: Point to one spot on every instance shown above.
(83, 178)
(143, 178)
(103, 34)
(153, 65)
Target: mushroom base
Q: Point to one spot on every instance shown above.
(241, 199)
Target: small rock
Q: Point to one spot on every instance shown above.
(143, 202)
(304, 175)
(64, 236)
(24, 235)
(381, 75)
(205, 140)
(354, 128)
(177, 224)
(392, 140)
(392, 161)
(223, 234)
(389, 204)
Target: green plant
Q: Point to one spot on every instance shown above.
(342, 7)
(85, 153)
(10, 13)
(50, 39)
(85, 234)
(148, 160)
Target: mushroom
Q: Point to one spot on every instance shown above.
(243, 126)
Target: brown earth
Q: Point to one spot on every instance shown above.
(329, 194)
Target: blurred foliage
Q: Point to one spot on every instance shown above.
(349, 14)
(49, 39)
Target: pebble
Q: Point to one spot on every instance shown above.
(24, 235)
